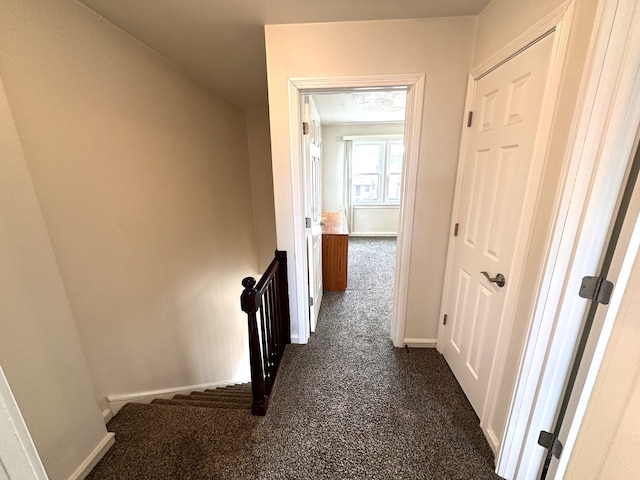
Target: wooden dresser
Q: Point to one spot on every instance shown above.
(335, 250)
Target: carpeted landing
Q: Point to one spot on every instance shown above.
(346, 406)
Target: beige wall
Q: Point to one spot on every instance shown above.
(503, 20)
(262, 184)
(143, 179)
(40, 349)
(498, 24)
(442, 48)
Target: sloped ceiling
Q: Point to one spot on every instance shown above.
(221, 42)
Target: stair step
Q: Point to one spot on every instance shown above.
(226, 393)
(202, 403)
(234, 388)
(229, 391)
(207, 398)
(223, 396)
(238, 386)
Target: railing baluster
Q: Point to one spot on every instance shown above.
(265, 350)
(272, 350)
(278, 316)
(267, 307)
(275, 324)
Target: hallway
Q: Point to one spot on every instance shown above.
(347, 405)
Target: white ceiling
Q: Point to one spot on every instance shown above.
(361, 107)
(221, 42)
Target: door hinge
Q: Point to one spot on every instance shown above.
(307, 222)
(444, 320)
(305, 128)
(455, 230)
(597, 289)
(469, 118)
(311, 301)
(550, 442)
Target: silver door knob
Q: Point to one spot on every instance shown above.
(498, 279)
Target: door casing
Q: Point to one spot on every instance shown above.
(415, 84)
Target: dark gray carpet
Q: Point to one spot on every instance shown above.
(346, 406)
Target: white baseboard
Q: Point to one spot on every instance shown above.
(94, 457)
(420, 342)
(116, 402)
(373, 234)
(492, 440)
(107, 414)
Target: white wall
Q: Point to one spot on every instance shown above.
(442, 48)
(143, 178)
(262, 184)
(498, 24)
(40, 349)
(372, 220)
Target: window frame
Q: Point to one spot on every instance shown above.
(383, 174)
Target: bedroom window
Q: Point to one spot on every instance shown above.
(376, 171)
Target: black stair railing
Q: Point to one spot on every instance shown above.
(267, 307)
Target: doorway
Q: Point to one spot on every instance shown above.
(298, 88)
(360, 139)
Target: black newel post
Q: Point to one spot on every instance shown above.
(250, 303)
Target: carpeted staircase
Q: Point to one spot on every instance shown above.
(346, 406)
(233, 396)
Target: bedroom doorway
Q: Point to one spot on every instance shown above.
(358, 137)
(414, 85)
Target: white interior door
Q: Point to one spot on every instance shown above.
(313, 207)
(495, 168)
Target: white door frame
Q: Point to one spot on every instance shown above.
(603, 135)
(413, 127)
(624, 260)
(558, 21)
(19, 459)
